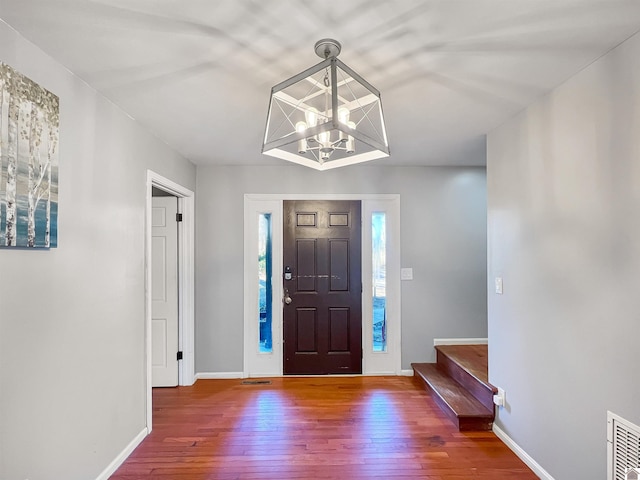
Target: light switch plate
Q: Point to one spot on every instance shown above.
(499, 285)
(406, 274)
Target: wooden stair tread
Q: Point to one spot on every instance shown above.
(457, 398)
(474, 359)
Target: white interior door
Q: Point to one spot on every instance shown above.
(164, 287)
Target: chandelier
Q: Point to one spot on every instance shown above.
(325, 117)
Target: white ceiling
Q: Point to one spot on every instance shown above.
(198, 72)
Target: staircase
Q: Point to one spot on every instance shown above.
(459, 381)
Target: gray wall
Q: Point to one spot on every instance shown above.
(563, 203)
(72, 374)
(443, 222)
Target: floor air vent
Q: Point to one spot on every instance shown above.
(256, 382)
(623, 448)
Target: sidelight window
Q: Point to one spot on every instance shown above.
(264, 283)
(379, 259)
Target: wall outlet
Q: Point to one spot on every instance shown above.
(500, 398)
(499, 285)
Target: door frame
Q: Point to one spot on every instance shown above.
(186, 280)
(271, 364)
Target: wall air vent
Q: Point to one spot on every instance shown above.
(623, 448)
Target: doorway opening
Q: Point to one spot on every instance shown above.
(185, 282)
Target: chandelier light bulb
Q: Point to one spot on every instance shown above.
(301, 127)
(323, 138)
(311, 114)
(343, 115)
(351, 143)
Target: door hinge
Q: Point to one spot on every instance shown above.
(178, 217)
(179, 356)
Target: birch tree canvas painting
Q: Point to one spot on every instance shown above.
(29, 129)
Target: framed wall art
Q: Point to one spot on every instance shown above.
(29, 131)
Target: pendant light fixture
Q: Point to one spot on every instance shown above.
(325, 117)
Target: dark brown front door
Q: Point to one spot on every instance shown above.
(323, 280)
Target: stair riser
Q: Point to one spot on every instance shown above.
(479, 390)
(474, 425)
(463, 424)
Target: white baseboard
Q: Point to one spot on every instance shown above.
(123, 455)
(524, 456)
(232, 375)
(218, 375)
(460, 341)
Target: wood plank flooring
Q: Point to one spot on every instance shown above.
(312, 428)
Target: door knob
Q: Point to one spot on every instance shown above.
(287, 299)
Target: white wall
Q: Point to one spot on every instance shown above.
(72, 319)
(564, 223)
(443, 228)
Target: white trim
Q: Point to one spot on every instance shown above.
(122, 456)
(406, 373)
(343, 162)
(524, 456)
(460, 341)
(320, 196)
(186, 283)
(374, 363)
(218, 375)
(389, 361)
(258, 364)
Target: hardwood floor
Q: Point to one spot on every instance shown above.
(312, 428)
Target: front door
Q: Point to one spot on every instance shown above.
(322, 287)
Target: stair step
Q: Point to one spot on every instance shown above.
(468, 365)
(460, 405)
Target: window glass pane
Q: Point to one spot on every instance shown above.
(379, 249)
(264, 282)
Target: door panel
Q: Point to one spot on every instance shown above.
(338, 330)
(339, 265)
(306, 330)
(159, 342)
(306, 257)
(164, 290)
(323, 321)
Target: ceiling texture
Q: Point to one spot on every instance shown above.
(198, 73)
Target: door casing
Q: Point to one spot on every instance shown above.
(258, 364)
(186, 276)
